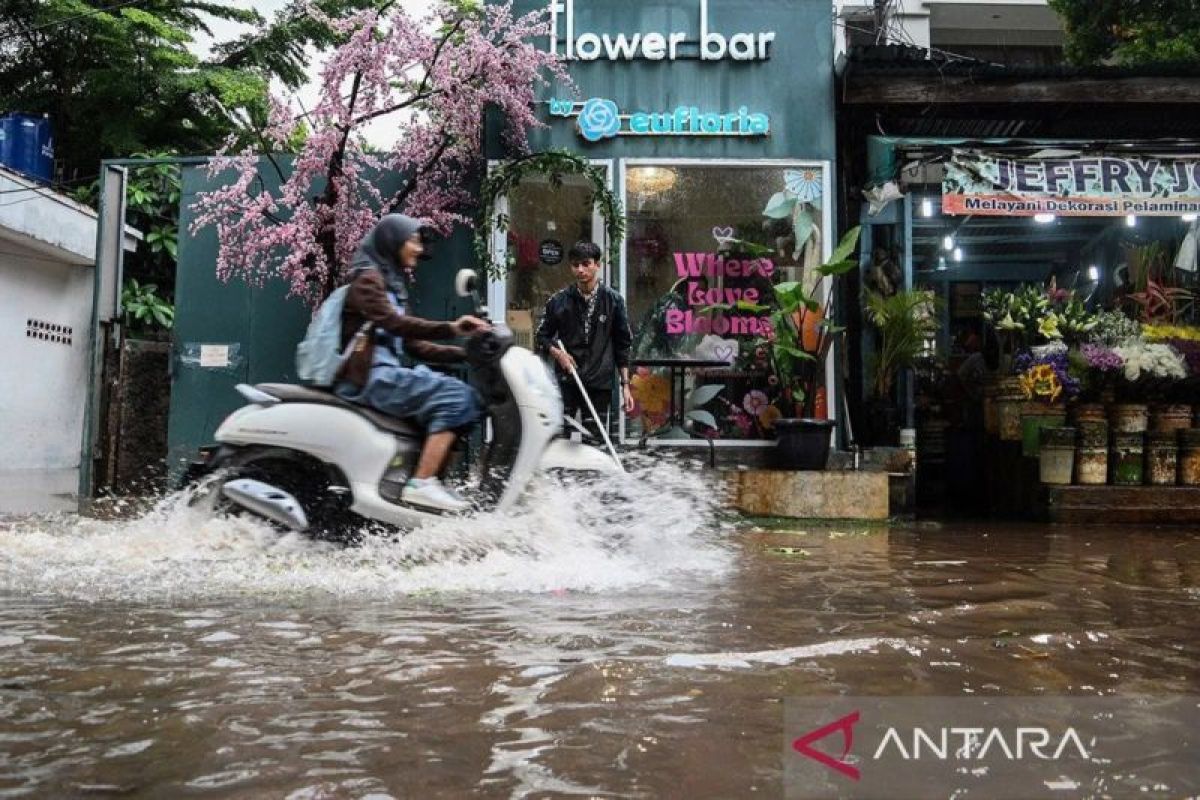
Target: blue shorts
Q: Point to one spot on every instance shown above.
(435, 401)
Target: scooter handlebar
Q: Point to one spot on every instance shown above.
(487, 347)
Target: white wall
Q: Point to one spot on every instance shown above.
(43, 384)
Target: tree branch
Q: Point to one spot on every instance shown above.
(394, 108)
(402, 195)
(422, 88)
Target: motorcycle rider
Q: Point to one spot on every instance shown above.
(376, 318)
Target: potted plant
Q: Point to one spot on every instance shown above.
(906, 321)
(801, 335)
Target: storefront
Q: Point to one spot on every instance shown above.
(713, 123)
(1078, 257)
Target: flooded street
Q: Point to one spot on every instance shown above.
(593, 647)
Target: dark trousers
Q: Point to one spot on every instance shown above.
(573, 403)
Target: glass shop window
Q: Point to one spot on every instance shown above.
(700, 240)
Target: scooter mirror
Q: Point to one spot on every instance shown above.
(466, 282)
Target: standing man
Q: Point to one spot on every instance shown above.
(591, 321)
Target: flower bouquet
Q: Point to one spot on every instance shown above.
(1045, 377)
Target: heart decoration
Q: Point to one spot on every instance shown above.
(722, 235)
(717, 349)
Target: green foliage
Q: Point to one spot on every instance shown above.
(505, 177)
(792, 303)
(145, 311)
(796, 365)
(278, 49)
(117, 81)
(163, 238)
(1125, 32)
(905, 320)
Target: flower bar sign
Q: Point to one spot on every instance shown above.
(995, 184)
(654, 45)
(599, 118)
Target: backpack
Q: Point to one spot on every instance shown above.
(318, 356)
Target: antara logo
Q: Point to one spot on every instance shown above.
(943, 744)
(844, 726)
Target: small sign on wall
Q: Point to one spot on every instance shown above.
(210, 356)
(214, 356)
(550, 251)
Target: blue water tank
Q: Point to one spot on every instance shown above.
(27, 145)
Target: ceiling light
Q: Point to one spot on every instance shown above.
(650, 180)
(941, 267)
(1130, 221)
(948, 243)
(926, 207)
(1044, 219)
(1188, 217)
(1093, 273)
(958, 254)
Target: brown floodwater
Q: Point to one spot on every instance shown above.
(641, 653)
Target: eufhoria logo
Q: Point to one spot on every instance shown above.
(600, 118)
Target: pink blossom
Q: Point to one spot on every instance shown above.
(434, 77)
(754, 402)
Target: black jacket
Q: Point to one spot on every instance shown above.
(608, 347)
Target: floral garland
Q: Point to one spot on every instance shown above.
(505, 177)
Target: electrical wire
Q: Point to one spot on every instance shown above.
(44, 189)
(948, 54)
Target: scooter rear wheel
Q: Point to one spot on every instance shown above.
(318, 488)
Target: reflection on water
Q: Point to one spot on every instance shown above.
(586, 647)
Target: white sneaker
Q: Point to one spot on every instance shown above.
(429, 493)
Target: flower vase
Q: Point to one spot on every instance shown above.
(1034, 417)
(1009, 402)
(1057, 455)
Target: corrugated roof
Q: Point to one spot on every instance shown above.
(897, 59)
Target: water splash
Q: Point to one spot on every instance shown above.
(643, 529)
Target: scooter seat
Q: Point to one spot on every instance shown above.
(291, 393)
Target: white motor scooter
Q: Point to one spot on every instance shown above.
(312, 462)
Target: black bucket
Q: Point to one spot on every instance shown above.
(802, 444)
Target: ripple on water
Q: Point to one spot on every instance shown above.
(130, 749)
(787, 655)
